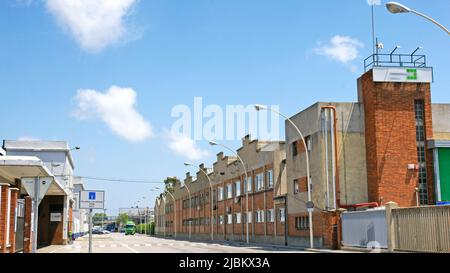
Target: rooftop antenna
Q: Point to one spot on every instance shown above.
(373, 29)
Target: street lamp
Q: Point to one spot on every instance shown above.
(210, 195)
(164, 209)
(213, 143)
(190, 210)
(396, 8)
(174, 210)
(260, 107)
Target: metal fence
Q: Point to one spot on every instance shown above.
(424, 229)
(364, 229)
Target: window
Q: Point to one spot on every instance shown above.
(269, 175)
(207, 199)
(230, 219)
(302, 223)
(259, 216)
(220, 193)
(229, 191)
(249, 184)
(421, 151)
(237, 218)
(282, 215)
(221, 219)
(237, 186)
(270, 216)
(248, 216)
(259, 182)
(296, 186)
(294, 149)
(300, 185)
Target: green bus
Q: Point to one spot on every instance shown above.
(130, 228)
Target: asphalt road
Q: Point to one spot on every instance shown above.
(119, 243)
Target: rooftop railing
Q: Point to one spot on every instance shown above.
(395, 60)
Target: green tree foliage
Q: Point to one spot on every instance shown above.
(122, 219)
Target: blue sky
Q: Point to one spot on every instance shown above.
(170, 51)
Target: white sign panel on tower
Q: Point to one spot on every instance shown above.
(403, 74)
(92, 200)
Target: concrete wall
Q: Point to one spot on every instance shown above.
(350, 152)
(441, 121)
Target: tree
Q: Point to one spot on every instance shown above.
(122, 219)
(171, 182)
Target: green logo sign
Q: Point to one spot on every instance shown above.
(412, 74)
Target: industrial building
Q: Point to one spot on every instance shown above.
(392, 145)
(23, 166)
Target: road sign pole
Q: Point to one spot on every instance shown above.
(35, 214)
(90, 230)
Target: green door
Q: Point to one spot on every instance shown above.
(444, 173)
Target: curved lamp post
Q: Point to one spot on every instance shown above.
(210, 195)
(174, 209)
(395, 8)
(259, 107)
(190, 210)
(213, 143)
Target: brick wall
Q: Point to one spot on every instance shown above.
(28, 236)
(390, 131)
(3, 214)
(12, 223)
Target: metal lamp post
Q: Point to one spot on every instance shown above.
(210, 195)
(259, 107)
(174, 210)
(396, 8)
(213, 143)
(190, 210)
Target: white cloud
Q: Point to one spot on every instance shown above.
(95, 24)
(185, 147)
(343, 49)
(374, 2)
(115, 107)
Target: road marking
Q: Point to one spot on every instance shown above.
(126, 246)
(148, 245)
(113, 245)
(102, 246)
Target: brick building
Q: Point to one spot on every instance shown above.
(393, 144)
(191, 213)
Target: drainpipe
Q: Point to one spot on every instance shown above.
(336, 186)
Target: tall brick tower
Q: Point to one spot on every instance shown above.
(398, 122)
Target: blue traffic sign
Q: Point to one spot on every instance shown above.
(92, 196)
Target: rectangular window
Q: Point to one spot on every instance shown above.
(221, 219)
(282, 215)
(230, 219)
(249, 184)
(294, 149)
(419, 109)
(302, 223)
(259, 182)
(259, 216)
(269, 175)
(229, 191)
(249, 217)
(237, 186)
(270, 216)
(220, 193)
(238, 218)
(296, 187)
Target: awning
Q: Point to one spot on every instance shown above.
(18, 167)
